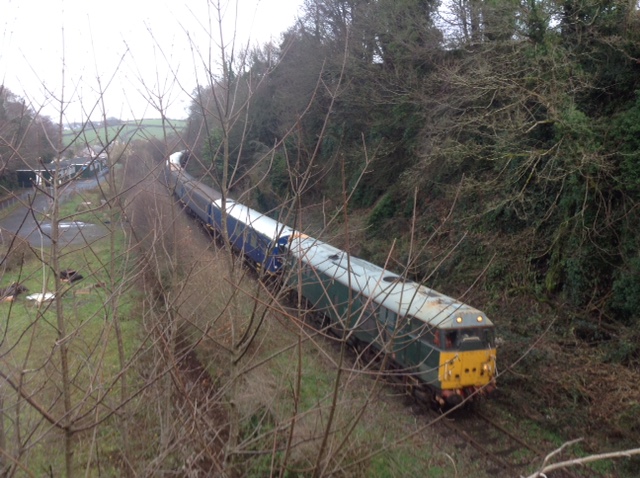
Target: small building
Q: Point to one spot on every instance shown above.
(83, 168)
(43, 176)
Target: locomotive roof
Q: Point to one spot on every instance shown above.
(259, 222)
(394, 292)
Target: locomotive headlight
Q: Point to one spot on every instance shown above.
(459, 320)
(479, 319)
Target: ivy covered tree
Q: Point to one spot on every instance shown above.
(525, 109)
(26, 138)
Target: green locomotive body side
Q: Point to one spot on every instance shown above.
(407, 321)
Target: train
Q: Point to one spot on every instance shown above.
(445, 350)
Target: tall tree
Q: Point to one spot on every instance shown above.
(26, 139)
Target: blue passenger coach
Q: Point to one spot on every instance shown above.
(261, 239)
(195, 195)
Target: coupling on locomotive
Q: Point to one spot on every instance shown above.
(442, 346)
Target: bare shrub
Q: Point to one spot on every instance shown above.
(15, 251)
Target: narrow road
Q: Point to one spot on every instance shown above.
(28, 220)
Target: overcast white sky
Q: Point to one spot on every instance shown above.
(138, 49)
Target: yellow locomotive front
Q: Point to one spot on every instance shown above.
(467, 365)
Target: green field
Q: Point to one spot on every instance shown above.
(125, 131)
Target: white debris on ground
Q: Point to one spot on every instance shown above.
(40, 297)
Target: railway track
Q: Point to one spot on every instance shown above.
(506, 453)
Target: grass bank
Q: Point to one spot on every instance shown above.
(84, 395)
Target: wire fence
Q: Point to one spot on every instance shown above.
(13, 198)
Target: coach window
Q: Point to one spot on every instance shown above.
(372, 310)
(391, 318)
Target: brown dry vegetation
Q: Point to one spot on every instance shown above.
(170, 258)
(572, 390)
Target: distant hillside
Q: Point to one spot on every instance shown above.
(125, 130)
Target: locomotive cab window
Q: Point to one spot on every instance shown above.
(470, 339)
(489, 338)
(450, 339)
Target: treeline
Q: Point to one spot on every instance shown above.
(521, 117)
(91, 125)
(27, 139)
